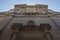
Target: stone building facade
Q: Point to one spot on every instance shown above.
(30, 22)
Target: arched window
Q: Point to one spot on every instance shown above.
(31, 23)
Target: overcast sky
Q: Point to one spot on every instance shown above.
(6, 5)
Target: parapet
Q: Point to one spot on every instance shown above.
(18, 6)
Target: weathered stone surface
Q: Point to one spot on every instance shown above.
(4, 22)
(29, 32)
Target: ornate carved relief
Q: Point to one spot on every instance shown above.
(28, 32)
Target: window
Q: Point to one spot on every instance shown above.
(31, 23)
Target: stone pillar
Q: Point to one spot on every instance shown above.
(47, 28)
(14, 34)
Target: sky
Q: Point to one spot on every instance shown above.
(6, 5)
